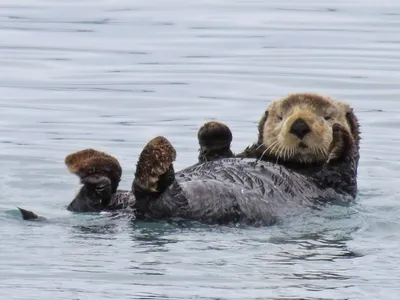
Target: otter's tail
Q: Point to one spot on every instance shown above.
(28, 215)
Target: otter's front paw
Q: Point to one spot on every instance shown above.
(154, 170)
(215, 141)
(342, 141)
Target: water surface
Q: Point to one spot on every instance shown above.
(113, 74)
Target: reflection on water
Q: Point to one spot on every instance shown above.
(111, 75)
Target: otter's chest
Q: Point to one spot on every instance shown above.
(265, 178)
(121, 200)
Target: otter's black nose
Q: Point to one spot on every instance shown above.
(299, 128)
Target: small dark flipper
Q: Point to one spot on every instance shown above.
(28, 215)
(342, 142)
(215, 141)
(154, 172)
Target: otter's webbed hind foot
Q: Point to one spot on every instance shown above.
(100, 175)
(215, 141)
(154, 172)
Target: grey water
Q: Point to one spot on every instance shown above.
(113, 74)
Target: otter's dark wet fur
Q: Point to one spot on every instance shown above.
(339, 171)
(100, 174)
(253, 187)
(215, 141)
(248, 191)
(259, 185)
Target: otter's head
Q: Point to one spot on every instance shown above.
(298, 128)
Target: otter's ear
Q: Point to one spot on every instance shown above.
(90, 163)
(353, 123)
(261, 126)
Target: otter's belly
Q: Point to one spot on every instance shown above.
(236, 190)
(124, 200)
(266, 179)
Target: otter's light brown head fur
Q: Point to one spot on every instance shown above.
(298, 128)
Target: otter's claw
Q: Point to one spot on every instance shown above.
(215, 141)
(154, 169)
(341, 141)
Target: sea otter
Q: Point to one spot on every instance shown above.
(306, 154)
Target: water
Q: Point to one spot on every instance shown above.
(113, 74)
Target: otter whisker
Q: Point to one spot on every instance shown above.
(292, 152)
(274, 144)
(259, 146)
(277, 150)
(277, 146)
(266, 149)
(280, 150)
(320, 151)
(272, 147)
(322, 148)
(284, 150)
(315, 150)
(287, 151)
(262, 155)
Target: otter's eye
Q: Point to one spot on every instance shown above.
(327, 118)
(279, 117)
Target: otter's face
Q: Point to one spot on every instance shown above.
(299, 128)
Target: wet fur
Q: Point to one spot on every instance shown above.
(275, 143)
(90, 162)
(220, 189)
(157, 158)
(215, 141)
(260, 191)
(100, 174)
